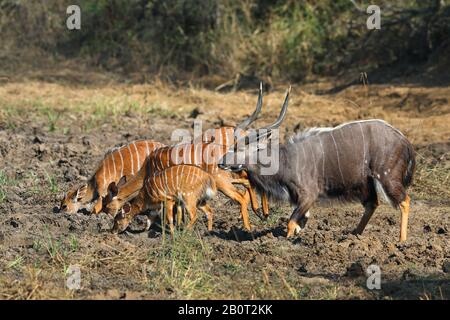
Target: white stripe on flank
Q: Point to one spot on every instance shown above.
(155, 179)
(166, 179)
(312, 152)
(121, 163)
(323, 158)
(114, 164)
(164, 182)
(131, 160)
(109, 171)
(158, 185)
(159, 156)
(383, 157)
(167, 160)
(337, 152)
(138, 157)
(104, 176)
(147, 149)
(304, 158)
(364, 150)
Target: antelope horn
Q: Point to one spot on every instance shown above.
(244, 124)
(283, 111)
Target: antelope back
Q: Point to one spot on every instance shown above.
(124, 161)
(202, 155)
(175, 181)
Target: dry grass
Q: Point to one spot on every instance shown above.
(60, 104)
(432, 178)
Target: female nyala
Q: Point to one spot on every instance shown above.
(123, 161)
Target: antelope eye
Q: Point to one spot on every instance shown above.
(63, 207)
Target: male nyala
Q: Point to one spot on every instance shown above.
(362, 160)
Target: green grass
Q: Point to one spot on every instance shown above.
(16, 263)
(160, 110)
(51, 114)
(74, 243)
(3, 183)
(52, 183)
(181, 266)
(57, 250)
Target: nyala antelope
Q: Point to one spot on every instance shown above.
(188, 186)
(362, 160)
(122, 161)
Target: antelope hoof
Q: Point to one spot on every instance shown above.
(260, 214)
(293, 229)
(115, 230)
(148, 224)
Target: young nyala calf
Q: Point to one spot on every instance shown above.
(185, 185)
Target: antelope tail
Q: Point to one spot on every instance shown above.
(411, 167)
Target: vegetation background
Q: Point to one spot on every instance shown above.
(278, 40)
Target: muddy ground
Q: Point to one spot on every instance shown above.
(44, 152)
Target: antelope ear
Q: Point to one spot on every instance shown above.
(81, 192)
(113, 190)
(121, 182)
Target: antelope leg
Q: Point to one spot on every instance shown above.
(169, 214)
(97, 206)
(297, 218)
(192, 210)
(209, 214)
(369, 209)
(179, 215)
(227, 188)
(404, 208)
(253, 197)
(265, 204)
